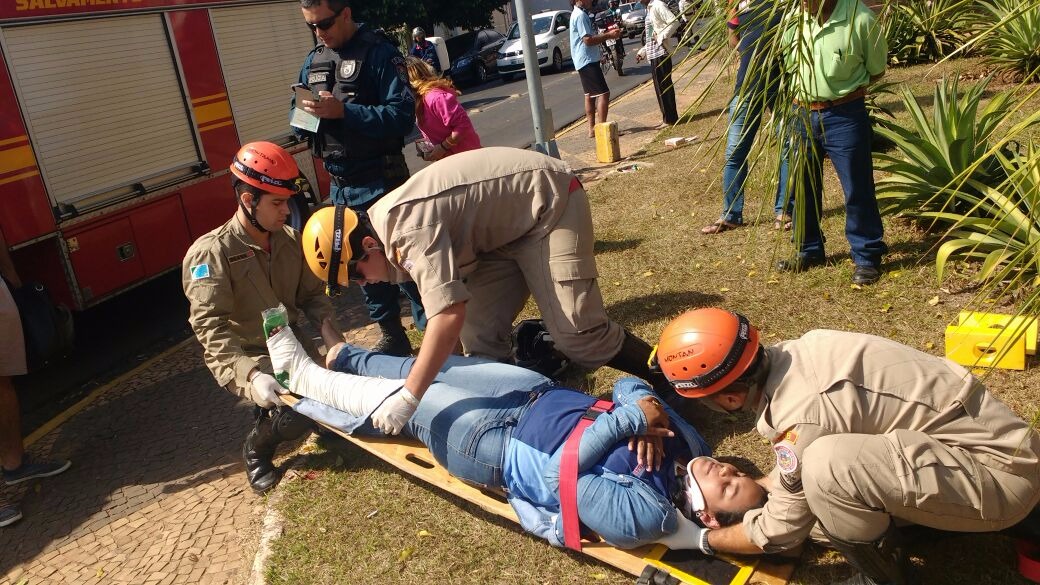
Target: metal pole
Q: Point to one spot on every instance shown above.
(544, 132)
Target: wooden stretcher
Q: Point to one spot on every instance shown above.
(690, 567)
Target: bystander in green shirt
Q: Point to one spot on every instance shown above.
(836, 58)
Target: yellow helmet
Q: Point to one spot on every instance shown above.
(326, 248)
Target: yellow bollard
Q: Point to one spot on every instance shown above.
(608, 146)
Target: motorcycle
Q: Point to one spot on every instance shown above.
(613, 54)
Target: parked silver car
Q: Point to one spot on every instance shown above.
(633, 18)
(552, 42)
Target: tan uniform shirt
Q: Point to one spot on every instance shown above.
(435, 226)
(830, 382)
(229, 280)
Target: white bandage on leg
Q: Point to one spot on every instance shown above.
(355, 395)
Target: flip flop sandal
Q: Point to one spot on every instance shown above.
(718, 227)
(783, 222)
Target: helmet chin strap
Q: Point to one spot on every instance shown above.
(250, 214)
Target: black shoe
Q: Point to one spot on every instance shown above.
(865, 275)
(394, 340)
(800, 263)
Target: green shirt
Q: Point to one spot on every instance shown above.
(836, 58)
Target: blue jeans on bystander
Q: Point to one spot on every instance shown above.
(745, 117)
(842, 133)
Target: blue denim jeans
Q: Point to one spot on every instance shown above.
(467, 415)
(745, 117)
(843, 133)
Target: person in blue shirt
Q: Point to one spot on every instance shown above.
(367, 109)
(585, 53)
(644, 474)
(424, 49)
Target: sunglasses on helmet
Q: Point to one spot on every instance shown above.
(325, 23)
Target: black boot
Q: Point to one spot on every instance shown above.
(272, 427)
(882, 562)
(258, 451)
(633, 358)
(394, 340)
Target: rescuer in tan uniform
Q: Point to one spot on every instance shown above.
(251, 263)
(479, 232)
(865, 431)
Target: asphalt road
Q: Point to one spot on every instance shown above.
(118, 334)
(501, 111)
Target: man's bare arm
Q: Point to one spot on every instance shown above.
(732, 539)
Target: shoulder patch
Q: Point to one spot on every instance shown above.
(786, 460)
(200, 271)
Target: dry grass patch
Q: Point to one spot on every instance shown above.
(654, 263)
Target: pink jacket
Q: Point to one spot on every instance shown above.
(443, 114)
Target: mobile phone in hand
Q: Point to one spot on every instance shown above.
(304, 93)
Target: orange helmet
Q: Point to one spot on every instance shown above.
(704, 350)
(320, 238)
(267, 167)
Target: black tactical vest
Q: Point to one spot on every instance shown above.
(340, 71)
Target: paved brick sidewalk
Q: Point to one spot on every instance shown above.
(157, 493)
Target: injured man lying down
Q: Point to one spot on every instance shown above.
(643, 473)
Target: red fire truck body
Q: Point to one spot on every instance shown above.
(118, 120)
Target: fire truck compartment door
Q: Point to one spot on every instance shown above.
(261, 48)
(106, 110)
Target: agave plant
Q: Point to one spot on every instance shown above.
(940, 153)
(1009, 32)
(1002, 224)
(928, 30)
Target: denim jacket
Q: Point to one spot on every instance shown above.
(622, 509)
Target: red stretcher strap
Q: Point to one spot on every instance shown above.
(1028, 560)
(569, 475)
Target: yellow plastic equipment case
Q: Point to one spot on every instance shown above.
(1012, 324)
(608, 145)
(991, 340)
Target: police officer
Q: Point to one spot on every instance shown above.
(366, 108)
(480, 232)
(251, 263)
(866, 432)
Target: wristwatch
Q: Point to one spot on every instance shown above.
(703, 544)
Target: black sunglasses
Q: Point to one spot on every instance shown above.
(325, 23)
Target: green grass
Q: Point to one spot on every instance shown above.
(654, 263)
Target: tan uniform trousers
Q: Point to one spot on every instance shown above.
(857, 484)
(559, 270)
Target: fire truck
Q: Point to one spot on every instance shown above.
(118, 120)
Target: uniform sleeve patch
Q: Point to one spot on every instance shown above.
(786, 459)
(200, 271)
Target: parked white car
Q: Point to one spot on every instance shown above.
(551, 38)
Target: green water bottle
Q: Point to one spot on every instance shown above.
(273, 319)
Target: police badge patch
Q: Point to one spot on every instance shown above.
(347, 69)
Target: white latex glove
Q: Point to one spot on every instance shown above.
(689, 535)
(394, 412)
(264, 389)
